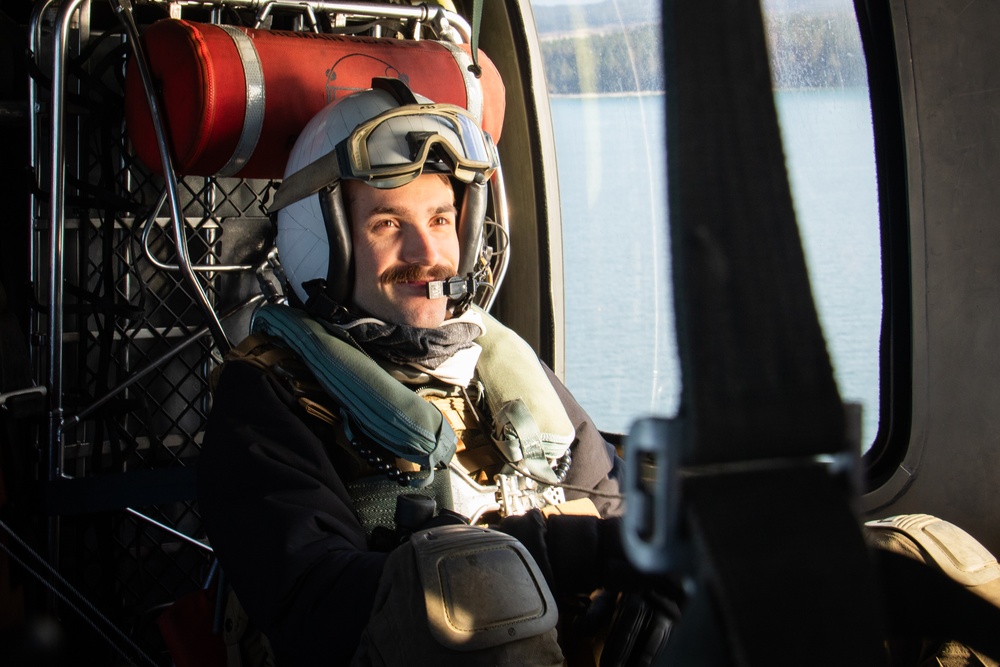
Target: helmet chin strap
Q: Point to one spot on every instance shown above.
(458, 288)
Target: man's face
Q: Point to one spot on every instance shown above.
(403, 238)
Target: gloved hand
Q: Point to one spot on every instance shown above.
(577, 554)
(580, 554)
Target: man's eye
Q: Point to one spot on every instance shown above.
(443, 221)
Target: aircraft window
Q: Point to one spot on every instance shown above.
(821, 94)
(605, 80)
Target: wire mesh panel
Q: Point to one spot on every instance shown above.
(136, 354)
(128, 307)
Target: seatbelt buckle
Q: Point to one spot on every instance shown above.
(516, 494)
(652, 491)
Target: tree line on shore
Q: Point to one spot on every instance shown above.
(806, 52)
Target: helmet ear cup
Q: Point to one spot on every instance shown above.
(470, 226)
(340, 272)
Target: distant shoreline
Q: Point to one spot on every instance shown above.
(652, 93)
(628, 93)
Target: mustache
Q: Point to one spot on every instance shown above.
(408, 273)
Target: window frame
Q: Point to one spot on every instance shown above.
(890, 446)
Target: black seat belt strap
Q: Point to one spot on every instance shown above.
(760, 526)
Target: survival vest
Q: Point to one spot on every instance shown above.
(525, 420)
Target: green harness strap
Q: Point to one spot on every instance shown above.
(372, 400)
(530, 422)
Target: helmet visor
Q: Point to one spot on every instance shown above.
(395, 147)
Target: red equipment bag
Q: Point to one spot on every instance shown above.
(235, 99)
(186, 627)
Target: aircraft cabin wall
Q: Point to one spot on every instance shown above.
(950, 84)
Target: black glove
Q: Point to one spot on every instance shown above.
(639, 630)
(576, 554)
(581, 554)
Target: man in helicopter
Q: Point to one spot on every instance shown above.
(309, 447)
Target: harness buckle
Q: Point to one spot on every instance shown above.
(516, 494)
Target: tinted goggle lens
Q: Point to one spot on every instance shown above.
(394, 147)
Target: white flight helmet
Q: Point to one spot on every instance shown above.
(385, 137)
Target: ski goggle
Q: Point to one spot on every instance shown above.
(393, 148)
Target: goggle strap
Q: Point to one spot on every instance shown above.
(307, 181)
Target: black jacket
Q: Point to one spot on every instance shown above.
(283, 526)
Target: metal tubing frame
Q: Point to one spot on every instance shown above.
(57, 223)
(445, 21)
(147, 226)
(34, 109)
(124, 10)
(53, 451)
(54, 447)
(170, 531)
(57, 215)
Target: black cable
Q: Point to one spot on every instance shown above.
(568, 487)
